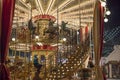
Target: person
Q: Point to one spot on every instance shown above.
(37, 77)
(36, 63)
(90, 63)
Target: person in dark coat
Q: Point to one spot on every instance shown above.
(36, 63)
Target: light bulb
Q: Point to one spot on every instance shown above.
(13, 39)
(77, 32)
(103, 4)
(37, 37)
(108, 12)
(64, 39)
(105, 20)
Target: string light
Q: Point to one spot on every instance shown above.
(108, 12)
(13, 39)
(103, 4)
(64, 39)
(105, 20)
(37, 37)
(77, 32)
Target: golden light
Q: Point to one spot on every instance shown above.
(103, 4)
(108, 12)
(36, 37)
(105, 20)
(62, 5)
(40, 6)
(13, 39)
(50, 6)
(77, 6)
(64, 39)
(37, 5)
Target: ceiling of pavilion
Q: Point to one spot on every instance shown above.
(67, 10)
(76, 12)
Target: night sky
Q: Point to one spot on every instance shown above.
(114, 18)
(112, 27)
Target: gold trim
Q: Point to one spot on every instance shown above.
(96, 39)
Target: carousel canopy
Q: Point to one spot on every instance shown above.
(62, 10)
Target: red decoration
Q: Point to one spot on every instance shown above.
(7, 17)
(47, 17)
(86, 32)
(44, 47)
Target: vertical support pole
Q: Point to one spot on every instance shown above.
(110, 70)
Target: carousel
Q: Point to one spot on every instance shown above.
(40, 46)
(55, 40)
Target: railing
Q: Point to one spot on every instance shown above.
(72, 65)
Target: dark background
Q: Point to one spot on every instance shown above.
(114, 18)
(112, 27)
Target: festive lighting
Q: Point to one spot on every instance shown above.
(77, 6)
(64, 39)
(90, 10)
(13, 56)
(104, 41)
(105, 20)
(103, 4)
(39, 43)
(23, 2)
(30, 59)
(108, 12)
(62, 5)
(37, 37)
(13, 39)
(77, 32)
(21, 8)
(40, 6)
(50, 6)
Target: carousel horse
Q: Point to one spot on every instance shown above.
(51, 30)
(64, 28)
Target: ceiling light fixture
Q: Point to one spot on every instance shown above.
(39, 43)
(68, 1)
(103, 3)
(105, 20)
(13, 39)
(77, 6)
(77, 12)
(50, 6)
(64, 39)
(40, 6)
(108, 12)
(37, 5)
(21, 8)
(37, 37)
(23, 2)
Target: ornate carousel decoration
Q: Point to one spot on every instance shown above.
(55, 50)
